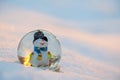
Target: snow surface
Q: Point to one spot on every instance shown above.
(74, 66)
(85, 56)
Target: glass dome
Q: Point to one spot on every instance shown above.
(26, 47)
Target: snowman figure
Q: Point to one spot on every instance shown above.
(40, 56)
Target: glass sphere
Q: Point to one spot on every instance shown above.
(26, 47)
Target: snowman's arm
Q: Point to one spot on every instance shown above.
(31, 54)
(50, 55)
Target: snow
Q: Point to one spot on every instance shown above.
(74, 67)
(76, 64)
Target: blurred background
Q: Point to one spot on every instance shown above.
(90, 28)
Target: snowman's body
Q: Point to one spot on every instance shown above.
(40, 53)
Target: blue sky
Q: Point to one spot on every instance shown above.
(83, 13)
(74, 10)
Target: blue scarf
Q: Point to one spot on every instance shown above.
(38, 50)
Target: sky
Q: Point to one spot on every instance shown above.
(90, 27)
(74, 10)
(83, 14)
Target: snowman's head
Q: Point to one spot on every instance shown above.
(41, 42)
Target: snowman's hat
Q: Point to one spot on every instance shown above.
(45, 38)
(39, 35)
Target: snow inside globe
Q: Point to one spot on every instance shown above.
(40, 48)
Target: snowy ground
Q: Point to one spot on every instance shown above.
(85, 56)
(74, 65)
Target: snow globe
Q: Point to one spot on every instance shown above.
(40, 48)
